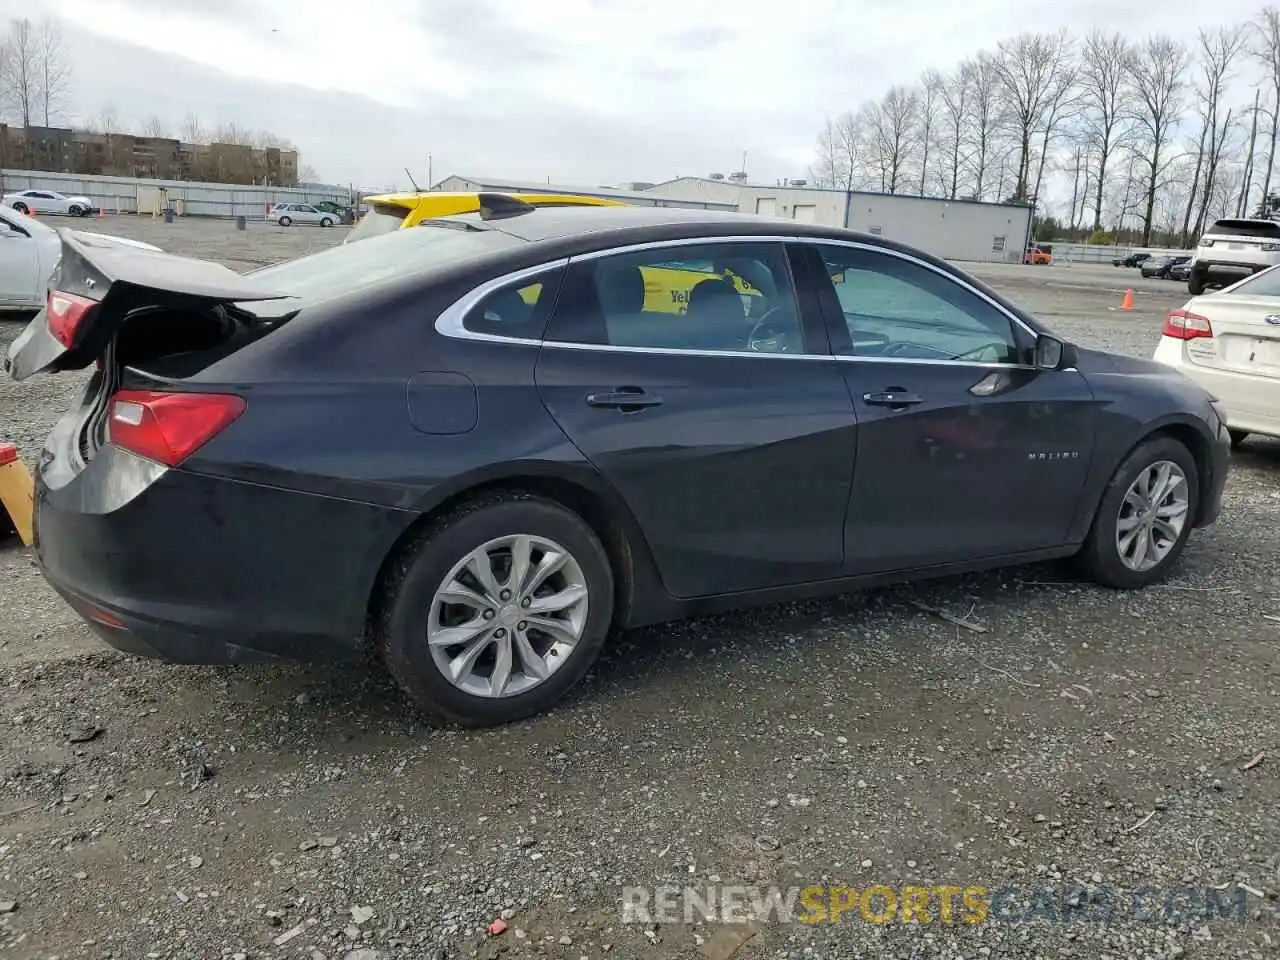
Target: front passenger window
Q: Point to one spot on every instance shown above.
(897, 308)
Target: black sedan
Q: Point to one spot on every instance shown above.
(473, 448)
(1132, 260)
(1159, 268)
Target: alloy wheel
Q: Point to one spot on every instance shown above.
(1152, 516)
(507, 616)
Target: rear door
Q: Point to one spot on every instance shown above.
(725, 427)
(965, 450)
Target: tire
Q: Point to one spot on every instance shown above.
(326, 222)
(285, 221)
(1101, 554)
(75, 210)
(22, 208)
(411, 611)
(1237, 437)
(1195, 283)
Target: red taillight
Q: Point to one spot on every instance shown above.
(64, 312)
(169, 427)
(1185, 325)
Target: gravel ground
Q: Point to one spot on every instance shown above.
(1086, 738)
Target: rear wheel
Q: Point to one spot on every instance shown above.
(1237, 437)
(497, 610)
(1144, 517)
(75, 210)
(285, 221)
(1196, 283)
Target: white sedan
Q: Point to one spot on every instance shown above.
(29, 251)
(287, 214)
(1229, 343)
(47, 201)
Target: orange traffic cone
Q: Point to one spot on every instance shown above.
(17, 494)
(1127, 303)
(102, 212)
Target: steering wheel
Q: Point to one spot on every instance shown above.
(765, 339)
(993, 352)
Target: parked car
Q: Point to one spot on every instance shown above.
(29, 252)
(47, 201)
(1231, 250)
(1157, 268)
(469, 450)
(1228, 342)
(1132, 260)
(1181, 271)
(396, 211)
(1038, 255)
(287, 214)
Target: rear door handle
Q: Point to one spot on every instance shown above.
(623, 400)
(892, 398)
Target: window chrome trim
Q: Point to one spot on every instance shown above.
(451, 322)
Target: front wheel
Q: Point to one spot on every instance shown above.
(285, 221)
(1144, 517)
(326, 222)
(22, 208)
(497, 610)
(75, 210)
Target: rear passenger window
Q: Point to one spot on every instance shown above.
(722, 297)
(519, 310)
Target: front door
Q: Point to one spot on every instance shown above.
(965, 450)
(731, 443)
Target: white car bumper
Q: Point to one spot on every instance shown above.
(1251, 402)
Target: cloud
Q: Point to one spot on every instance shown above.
(582, 91)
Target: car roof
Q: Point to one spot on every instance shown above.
(411, 201)
(562, 223)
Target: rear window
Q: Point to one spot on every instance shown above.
(338, 270)
(381, 218)
(1244, 228)
(1264, 284)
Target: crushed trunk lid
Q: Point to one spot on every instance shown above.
(98, 284)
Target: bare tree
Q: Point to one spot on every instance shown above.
(1218, 50)
(985, 119)
(1247, 176)
(1105, 65)
(930, 94)
(20, 83)
(851, 143)
(829, 169)
(1030, 68)
(307, 174)
(192, 129)
(1267, 51)
(232, 133)
(1062, 105)
(894, 126)
(955, 100)
(155, 127)
(108, 121)
(1158, 90)
(53, 69)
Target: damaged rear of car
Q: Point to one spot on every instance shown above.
(203, 404)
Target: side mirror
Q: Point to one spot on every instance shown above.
(1054, 354)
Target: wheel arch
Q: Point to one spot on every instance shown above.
(637, 586)
(1188, 433)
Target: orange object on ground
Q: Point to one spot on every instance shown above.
(1127, 302)
(17, 491)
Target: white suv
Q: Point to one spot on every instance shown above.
(1231, 250)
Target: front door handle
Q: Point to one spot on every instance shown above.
(624, 400)
(892, 398)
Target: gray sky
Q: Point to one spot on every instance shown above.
(581, 91)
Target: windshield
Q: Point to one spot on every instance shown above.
(1264, 284)
(381, 218)
(341, 269)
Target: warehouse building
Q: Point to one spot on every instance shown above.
(636, 197)
(952, 229)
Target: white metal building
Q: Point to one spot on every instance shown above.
(637, 197)
(953, 229)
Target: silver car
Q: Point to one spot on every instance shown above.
(287, 214)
